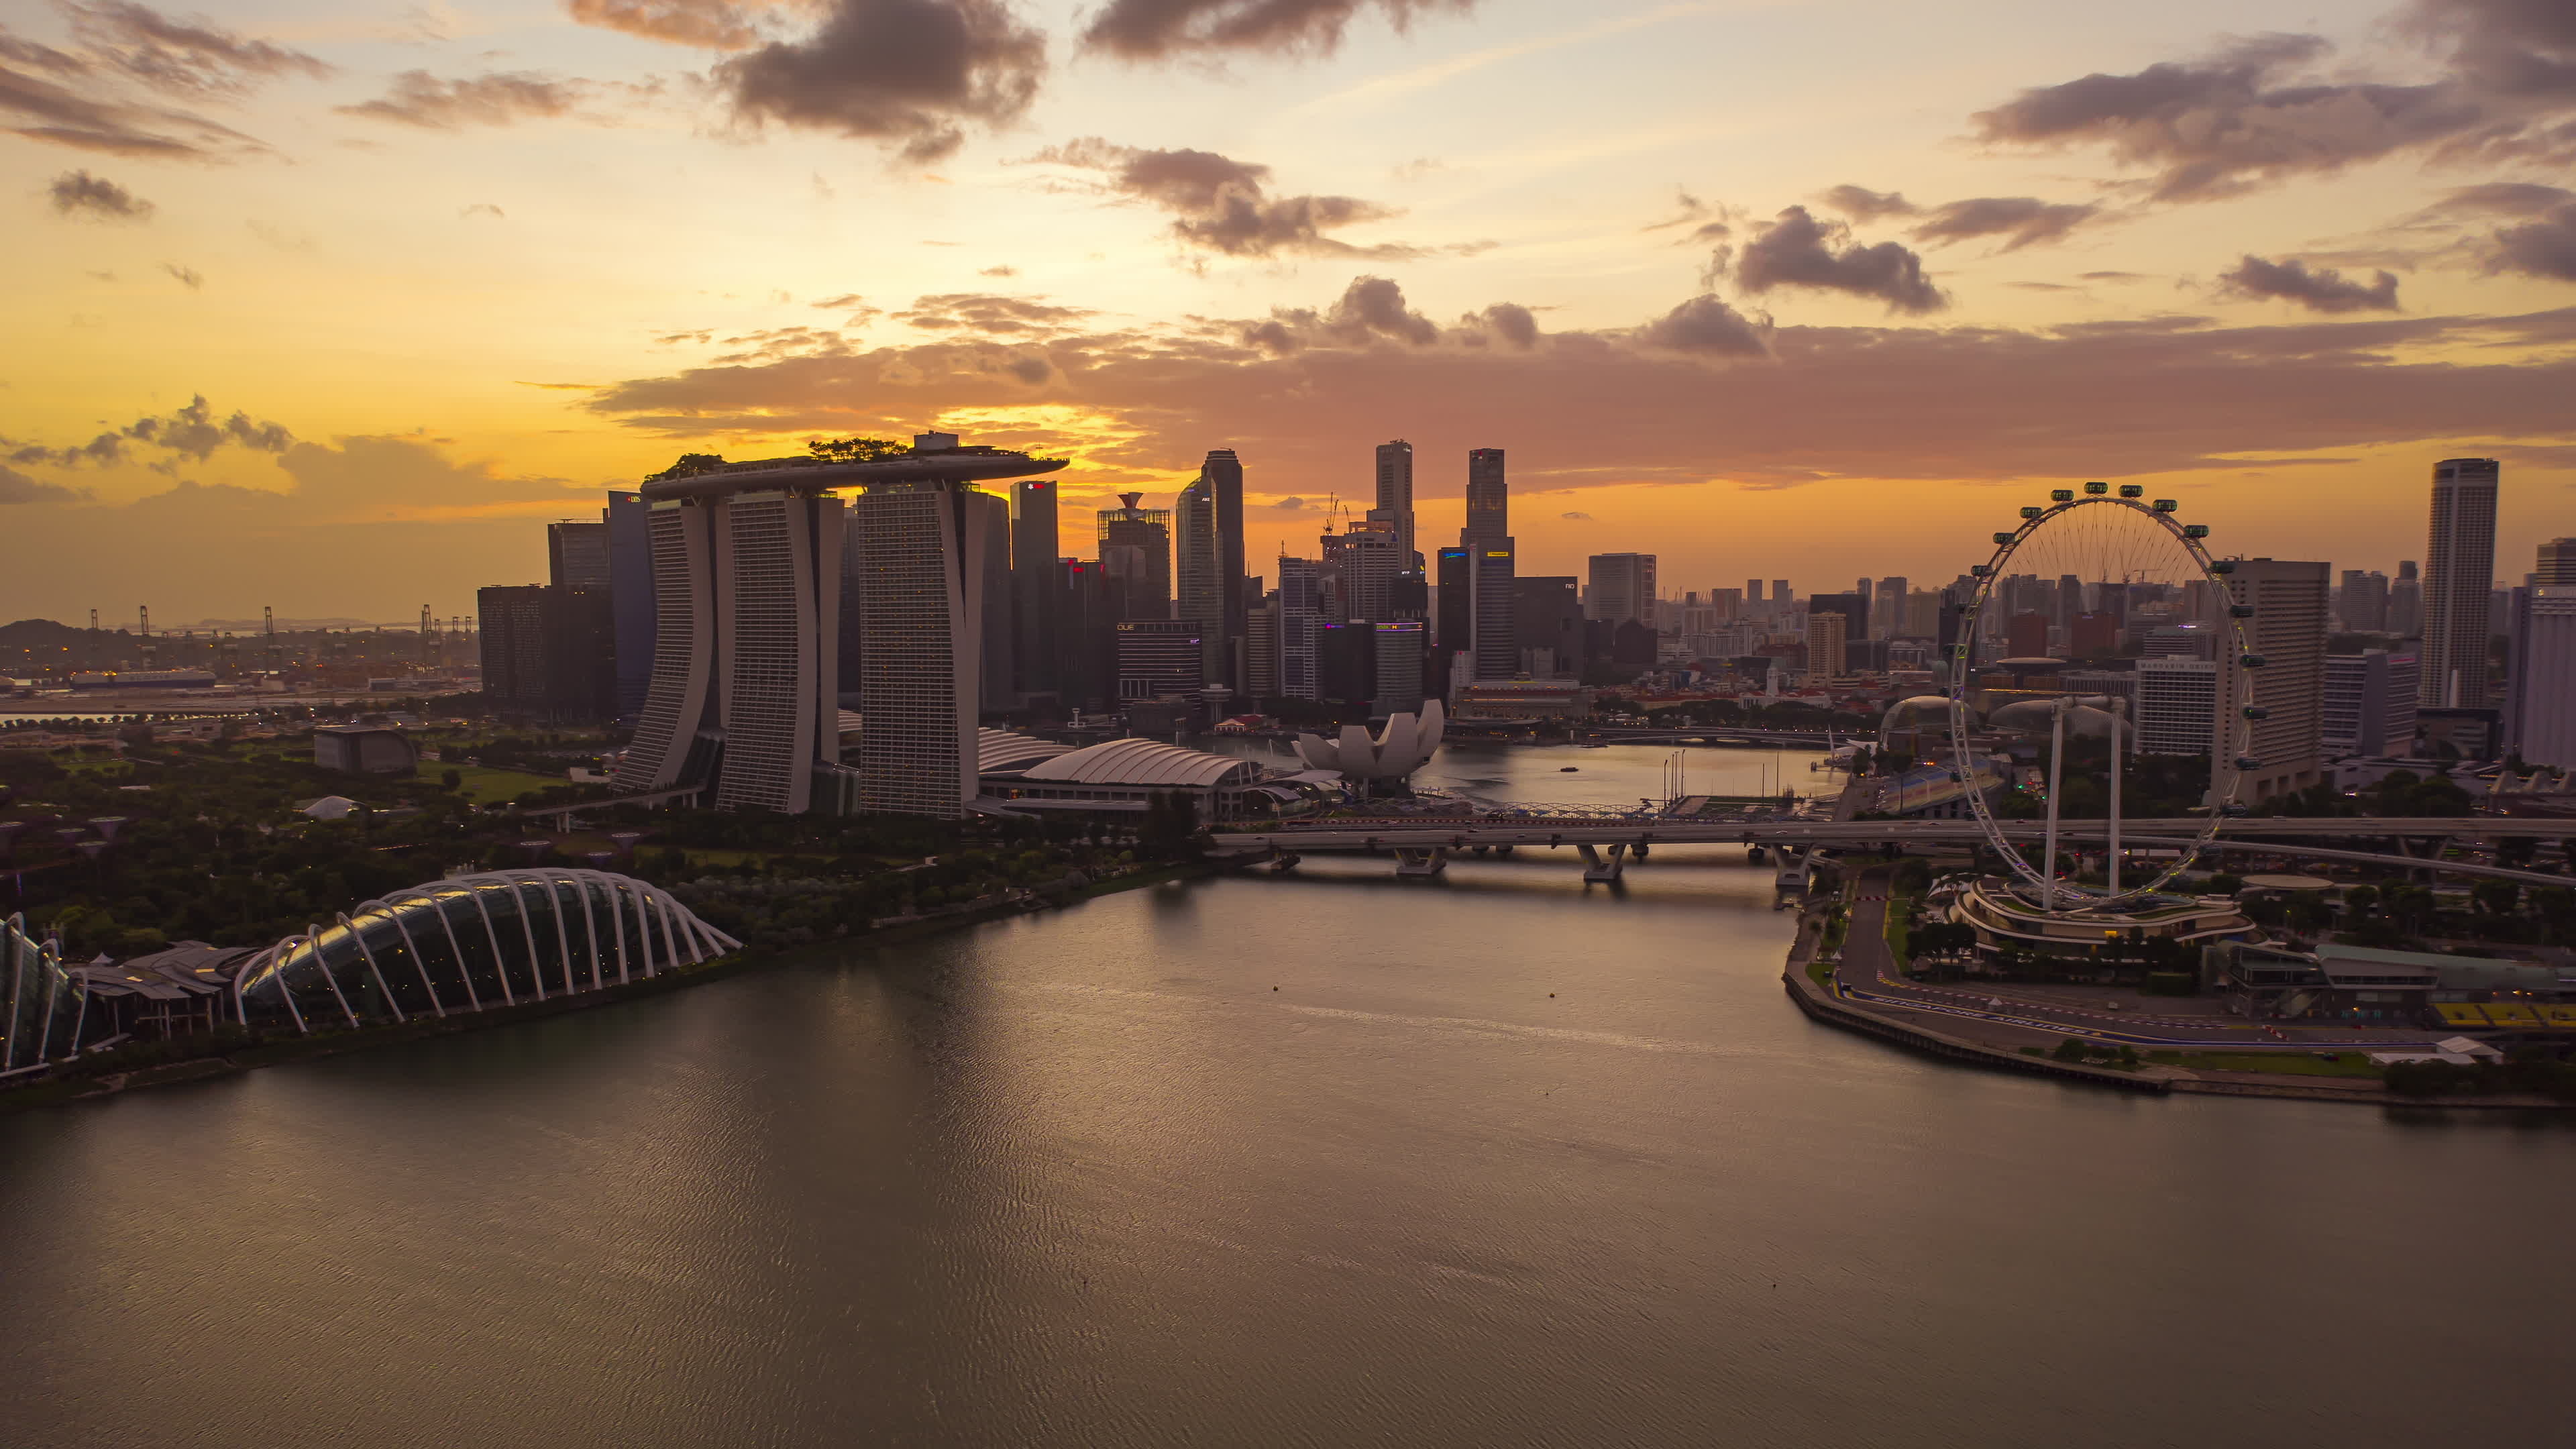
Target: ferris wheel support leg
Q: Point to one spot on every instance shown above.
(2119, 710)
(2056, 774)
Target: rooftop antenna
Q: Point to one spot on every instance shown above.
(146, 626)
(93, 621)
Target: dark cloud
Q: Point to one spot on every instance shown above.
(706, 24)
(73, 106)
(1218, 204)
(2251, 113)
(909, 73)
(1797, 250)
(2021, 220)
(2115, 276)
(2164, 395)
(78, 193)
(1510, 321)
(192, 432)
(1031, 370)
(194, 58)
(188, 277)
(2543, 247)
(17, 487)
(1375, 307)
(418, 98)
(1155, 29)
(982, 312)
(2496, 198)
(2320, 290)
(1709, 328)
(1862, 204)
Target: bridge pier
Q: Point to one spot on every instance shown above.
(1282, 861)
(1639, 850)
(1793, 869)
(1595, 868)
(1413, 861)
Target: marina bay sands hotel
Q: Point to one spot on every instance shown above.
(749, 563)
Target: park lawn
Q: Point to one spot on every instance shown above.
(486, 786)
(2286, 1064)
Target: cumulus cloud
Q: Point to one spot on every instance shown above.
(2322, 289)
(1370, 308)
(2258, 110)
(1797, 250)
(17, 487)
(78, 193)
(2543, 247)
(192, 432)
(1862, 204)
(1708, 327)
(1219, 204)
(187, 57)
(2021, 220)
(705, 24)
(1156, 29)
(1513, 323)
(908, 73)
(418, 98)
(984, 313)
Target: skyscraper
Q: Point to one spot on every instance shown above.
(2369, 705)
(748, 562)
(1827, 642)
(1395, 493)
(1136, 552)
(1299, 618)
(2362, 602)
(1489, 498)
(747, 584)
(2541, 718)
(547, 649)
(1623, 588)
(1223, 473)
(1887, 607)
(2406, 603)
(1034, 582)
(2288, 631)
(1366, 560)
(577, 554)
(1494, 637)
(630, 588)
(2177, 705)
(1198, 594)
(2459, 572)
(2556, 567)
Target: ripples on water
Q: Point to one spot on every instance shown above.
(1087, 1178)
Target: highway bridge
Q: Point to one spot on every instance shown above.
(1422, 844)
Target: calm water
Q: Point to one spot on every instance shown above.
(1087, 1178)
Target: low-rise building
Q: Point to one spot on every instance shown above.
(364, 750)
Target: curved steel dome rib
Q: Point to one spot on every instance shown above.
(473, 942)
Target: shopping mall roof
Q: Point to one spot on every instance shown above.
(999, 750)
(1140, 761)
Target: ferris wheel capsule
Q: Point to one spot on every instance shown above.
(2222, 565)
(2133, 490)
(2166, 505)
(2002, 536)
(2097, 487)
(2061, 495)
(2195, 530)
(2030, 512)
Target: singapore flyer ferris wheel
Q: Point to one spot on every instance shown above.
(2106, 546)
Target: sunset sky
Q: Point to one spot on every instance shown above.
(328, 304)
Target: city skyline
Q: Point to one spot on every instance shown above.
(1704, 322)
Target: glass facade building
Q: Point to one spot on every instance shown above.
(472, 943)
(41, 1006)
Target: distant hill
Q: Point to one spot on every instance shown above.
(38, 634)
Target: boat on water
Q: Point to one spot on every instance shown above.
(1565, 769)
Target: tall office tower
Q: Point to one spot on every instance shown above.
(1035, 578)
(1489, 498)
(2288, 631)
(1887, 607)
(1299, 617)
(1261, 649)
(1157, 657)
(2362, 603)
(1085, 632)
(2065, 602)
(1395, 492)
(1345, 666)
(1753, 591)
(577, 554)
(1493, 638)
(1623, 588)
(2177, 706)
(2406, 603)
(1828, 642)
(630, 589)
(2369, 705)
(1729, 603)
(1222, 472)
(1136, 550)
(1396, 652)
(548, 650)
(2094, 635)
(2557, 565)
(2459, 571)
(1451, 608)
(1855, 612)
(747, 565)
(1198, 592)
(2541, 708)
(1547, 626)
(1781, 597)
(1366, 561)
